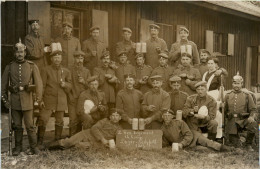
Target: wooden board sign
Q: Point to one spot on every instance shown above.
(147, 139)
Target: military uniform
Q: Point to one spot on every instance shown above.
(122, 70)
(178, 99)
(128, 47)
(20, 75)
(194, 78)
(145, 70)
(202, 67)
(129, 101)
(98, 99)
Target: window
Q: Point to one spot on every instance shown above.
(220, 43)
(58, 16)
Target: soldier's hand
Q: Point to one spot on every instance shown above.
(104, 141)
(158, 49)
(41, 105)
(191, 114)
(180, 146)
(81, 80)
(62, 84)
(198, 116)
(148, 120)
(190, 77)
(133, 45)
(130, 121)
(187, 81)
(183, 75)
(218, 72)
(251, 119)
(7, 104)
(141, 81)
(109, 76)
(151, 107)
(94, 109)
(196, 108)
(101, 108)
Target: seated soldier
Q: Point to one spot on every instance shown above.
(177, 131)
(92, 105)
(103, 131)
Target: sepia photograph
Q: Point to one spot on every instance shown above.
(130, 84)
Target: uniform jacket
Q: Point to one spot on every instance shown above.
(69, 46)
(191, 71)
(175, 55)
(128, 47)
(122, 70)
(177, 131)
(54, 96)
(146, 70)
(202, 67)
(178, 99)
(129, 101)
(151, 53)
(90, 45)
(20, 74)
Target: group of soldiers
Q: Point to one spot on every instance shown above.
(152, 85)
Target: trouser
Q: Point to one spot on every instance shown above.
(88, 120)
(200, 139)
(74, 125)
(75, 139)
(17, 116)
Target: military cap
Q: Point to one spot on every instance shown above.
(169, 111)
(56, 49)
(201, 84)
(78, 53)
(125, 29)
(156, 77)
(19, 46)
(154, 26)
(175, 79)
(139, 55)
(183, 28)
(164, 55)
(129, 76)
(185, 54)
(67, 23)
(94, 28)
(33, 21)
(105, 54)
(115, 110)
(237, 78)
(122, 53)
(205, 51)
(92, 78)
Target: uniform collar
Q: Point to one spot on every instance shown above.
(127, 42)
(183, 40)
(56, 67)
(156, 91)
(20, 62)
(237, 91)
(36, 35)
(175, 92)
(67, 37)
(154, 39)
(165, 66)
(140, 67)
(129, 90)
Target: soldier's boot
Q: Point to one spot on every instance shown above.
(58, 132)
(212, 136)
(54, 145)
(249, 141)
(79, 127)
(18, 135)
(40, 136)
(33, 143)
(225, 148)
(73, 130)
(234, 140)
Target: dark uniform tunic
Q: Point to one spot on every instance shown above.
(202, 67)
(178, 99)
(145, 70)
(152, 55)
(238, 107)
(128, 47)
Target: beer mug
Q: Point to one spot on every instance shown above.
(179, 115)
(112, 143)
(189, 49)
(143, 47)
(183, 49)
(138, 47)
(141, 124)
(135, 124)
(175, 147)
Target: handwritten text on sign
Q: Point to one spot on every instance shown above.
(130, 139)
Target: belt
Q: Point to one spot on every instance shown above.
(21, 88)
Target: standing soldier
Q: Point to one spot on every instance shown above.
(79, 76)
(94, 48)
(175, 53)
(163, 70)
(241, 113)
(189, 75)
(21, 78)
(35, 45)
(129, 100)
(56, 85)
(69, 44)
(127, 45)
(178, 98)
(196, 116)
(155, 45)
(155, 102)
(123, 69)
(143, 73)
(107, 79)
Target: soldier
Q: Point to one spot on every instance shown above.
(178, 98)
(175, 52)
(56, 86)
(155, 46)
(21, 78)
(107, 79)
(98, 100)
(129, 100)
(94, 48)
(123, 69)
(79, 77)
(192, 108)
(163, 70)
(241, 113)
(143, 73)
(35, 45)
(127, 45)
(155, 101)
(177, 131)
(103, 131)
(189, 75)
(69, 44)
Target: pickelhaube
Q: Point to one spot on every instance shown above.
(19, 46)
(238, 78)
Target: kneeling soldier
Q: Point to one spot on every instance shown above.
(17, 78)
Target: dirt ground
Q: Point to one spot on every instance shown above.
(101, 157)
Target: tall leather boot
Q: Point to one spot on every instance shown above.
(212, 136)
(73, 130)
(33, 142)
(79, 127)
(58, 132)
(40, 136)
(249, 141)
(18, 135)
